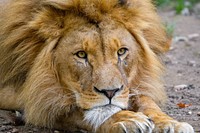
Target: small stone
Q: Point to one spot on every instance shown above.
(198, 113)
(5, 128)
(193, 36)
(2, 128)
(56, 131)
(8, 127)
(6, 123)
(189, 112)
(180, 87)
(15, 130)
(191, 63)
(171, 48)
(196, 119)
(181, 38)
(191, 87)
(35, 129)
(185, 12)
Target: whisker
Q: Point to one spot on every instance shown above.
(134, 91)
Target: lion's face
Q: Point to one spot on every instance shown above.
(97, 56)
(96, 63)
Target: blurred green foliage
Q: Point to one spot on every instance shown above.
(162, 2)
(169, 27)
(178, 5)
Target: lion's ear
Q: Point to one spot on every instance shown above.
(59, 4)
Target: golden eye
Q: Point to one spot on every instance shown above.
(122, 51)
(81, 54)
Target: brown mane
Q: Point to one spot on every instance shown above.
(28, 24)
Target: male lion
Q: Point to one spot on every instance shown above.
(85, 64)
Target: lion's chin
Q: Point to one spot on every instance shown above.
(96, 116)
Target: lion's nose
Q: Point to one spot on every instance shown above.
(108, 93)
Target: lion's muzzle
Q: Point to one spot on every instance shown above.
(109, 93)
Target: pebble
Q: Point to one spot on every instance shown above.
(193, 36)
(2, 128)
(35, 130)
(5, 128)
(180, 87)
(18, 114)
(189, 112)
(56, 131)
(185, 12)
(174, 97)
(198, 113)
(6, 123)
(191, 63)
(171, 48)
(195, 119)
(15, 130)
(181, 38)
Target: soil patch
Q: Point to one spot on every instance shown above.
(183, 69)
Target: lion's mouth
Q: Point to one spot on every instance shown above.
(106, 106)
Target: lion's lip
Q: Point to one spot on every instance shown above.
(108, 106)
(111, 105)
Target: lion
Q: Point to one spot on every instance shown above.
(90, 65)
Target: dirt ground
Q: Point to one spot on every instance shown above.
(183, 69)
(182, 79)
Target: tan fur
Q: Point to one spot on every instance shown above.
(41, 74)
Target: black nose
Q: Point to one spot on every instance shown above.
(108, 93)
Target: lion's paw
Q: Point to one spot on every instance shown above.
(172, 126)
(135, 123)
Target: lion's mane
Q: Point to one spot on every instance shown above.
(27, 28)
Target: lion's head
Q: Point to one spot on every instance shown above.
(99, 52)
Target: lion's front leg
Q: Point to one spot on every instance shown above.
(163, 123)
(127, 122)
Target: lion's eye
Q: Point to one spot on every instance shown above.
(122, 51)
(81, 54)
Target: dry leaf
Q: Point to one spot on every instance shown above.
(183, 105)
